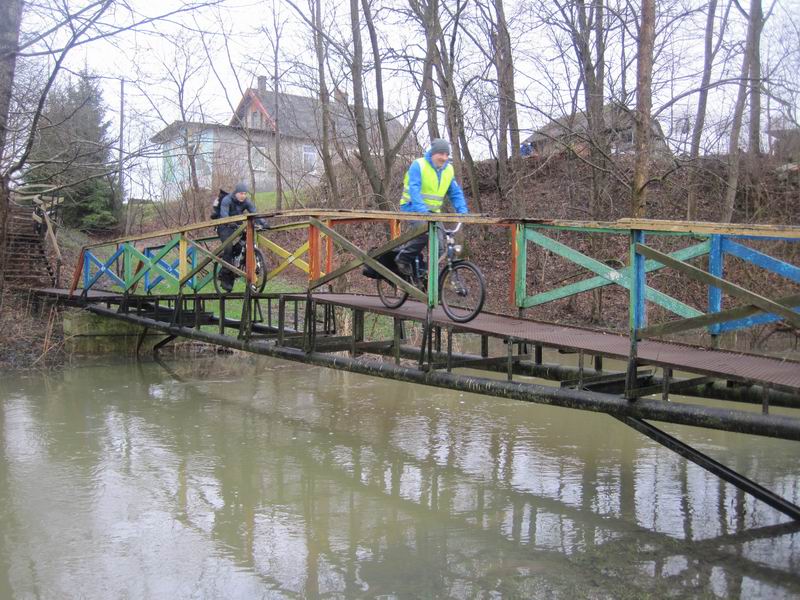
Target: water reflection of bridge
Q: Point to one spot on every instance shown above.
(317, 328)
(440, 488)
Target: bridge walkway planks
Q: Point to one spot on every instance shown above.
(739, 367)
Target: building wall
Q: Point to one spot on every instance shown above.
(176, 172)
(300, 161)
(221, 158)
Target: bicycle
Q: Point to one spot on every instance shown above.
(240, 263)
(462, 289)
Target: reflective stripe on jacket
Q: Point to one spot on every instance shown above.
(434, 185)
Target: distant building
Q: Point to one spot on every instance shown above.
(572, 133)
(224, 154)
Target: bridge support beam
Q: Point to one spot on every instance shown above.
(711, 465)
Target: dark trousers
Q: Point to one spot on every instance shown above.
(414, 247)
(224, 232)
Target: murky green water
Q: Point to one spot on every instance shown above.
(254, 478)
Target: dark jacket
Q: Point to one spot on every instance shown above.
(231, 207)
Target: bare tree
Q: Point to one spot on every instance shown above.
(734, 150)
(325, 104)
(644, 102)
(710, 52)
(57, 28)
(586, 27)
(379, 178)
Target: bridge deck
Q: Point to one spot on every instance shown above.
(745, 368)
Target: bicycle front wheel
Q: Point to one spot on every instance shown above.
(261, 272)
(462, 291)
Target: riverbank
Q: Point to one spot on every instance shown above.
(31, 339)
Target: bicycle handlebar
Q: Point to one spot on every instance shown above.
(455, 229)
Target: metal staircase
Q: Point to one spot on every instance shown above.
(27, 264)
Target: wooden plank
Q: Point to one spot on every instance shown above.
(172, 231)
(724, 316)
(213, 256)
(183, 251)
(611, 274)
(76, 274)
(765, 261)
(151, 263)
(366, 258)
(708, 228)
(433, 264)
(520, 256)
(726, 286)
(290, 258)
(103, 268)
(374, 253)
(600, 281)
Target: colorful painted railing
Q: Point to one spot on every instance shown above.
(718, 241)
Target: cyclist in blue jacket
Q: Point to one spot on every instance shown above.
(428, 181)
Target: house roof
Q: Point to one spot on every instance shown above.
(301, 116)
(616, 117)
(298, 117)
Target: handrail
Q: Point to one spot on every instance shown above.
(40, 216)
(620, 226)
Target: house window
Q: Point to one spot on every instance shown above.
(309, 158)
(258, 158)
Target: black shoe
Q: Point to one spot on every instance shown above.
(227, 286)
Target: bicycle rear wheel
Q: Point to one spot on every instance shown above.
(462, 291)
(391, 295)
(217, 283)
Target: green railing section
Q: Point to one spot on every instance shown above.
(643, 260)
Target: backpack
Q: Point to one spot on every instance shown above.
(215, 205)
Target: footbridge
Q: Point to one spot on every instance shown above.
(723, 278)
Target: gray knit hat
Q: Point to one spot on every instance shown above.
(439, 145)
(241, 187)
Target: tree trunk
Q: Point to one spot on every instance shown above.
(10, 17)
(593, 73)
(734, 152)
(507, 93)
(430, 105)
(502, 121)
(430, 16)
(325, 102)
(365, 155)
(276, 119)
(700, 119)
(756, 23)
(644, 102)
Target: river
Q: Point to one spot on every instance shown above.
(247, 477)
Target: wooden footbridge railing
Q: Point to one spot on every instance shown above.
(161, 280)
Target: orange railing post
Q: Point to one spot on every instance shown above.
(250, 253)
(313, 253)
(328, 249)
